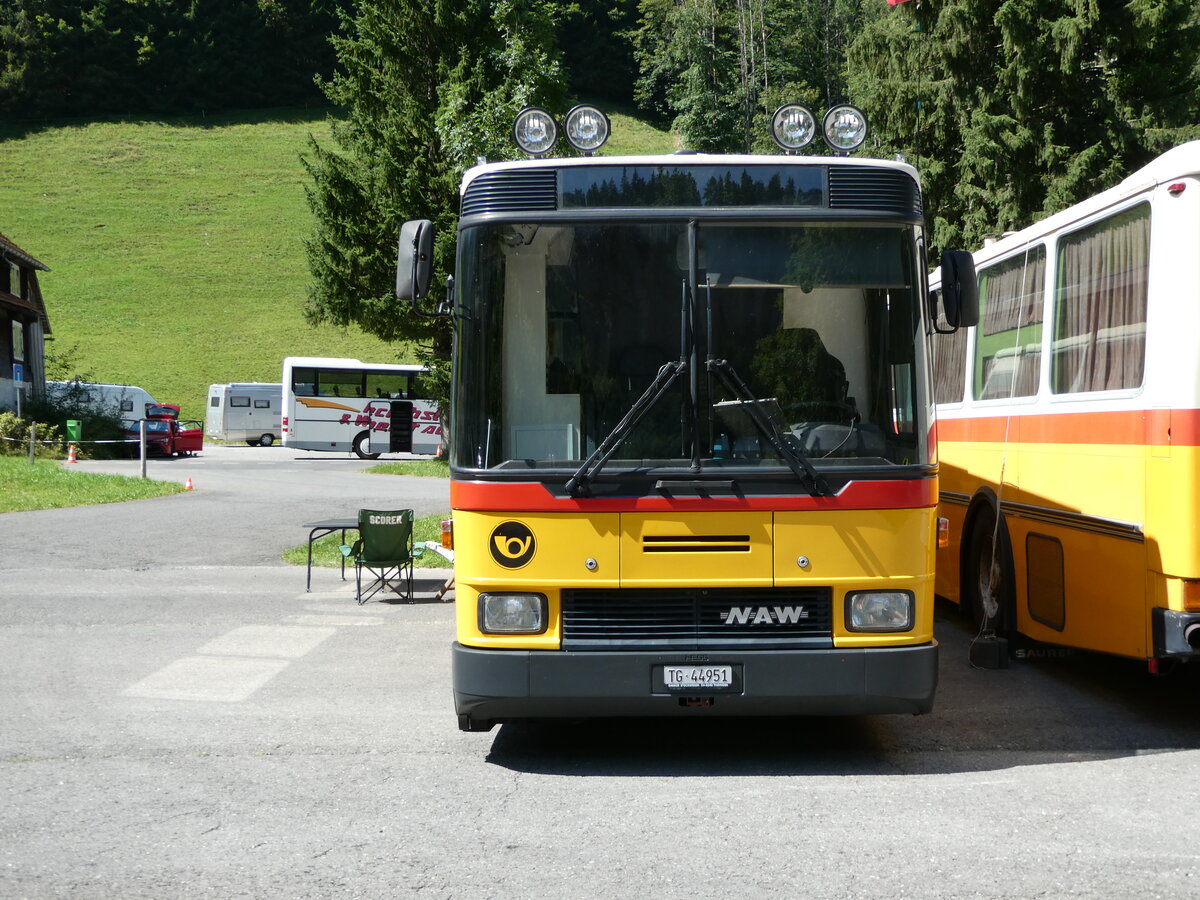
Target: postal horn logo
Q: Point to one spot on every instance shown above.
(512, 544)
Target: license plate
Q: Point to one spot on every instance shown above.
(686, 678)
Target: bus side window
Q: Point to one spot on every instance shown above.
(304, 382)
(1101, 299)
(949, 366)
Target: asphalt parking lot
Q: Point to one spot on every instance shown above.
(182, 719)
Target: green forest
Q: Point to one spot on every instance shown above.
(1010, 109)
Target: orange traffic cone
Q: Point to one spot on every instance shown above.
(188, 485)
(71, 454)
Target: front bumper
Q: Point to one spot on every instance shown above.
(492, 686)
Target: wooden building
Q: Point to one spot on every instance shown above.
(24, 327)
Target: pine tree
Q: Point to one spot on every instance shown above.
(425, 89)
(1014, 110)
(717, 70)
(685, 50)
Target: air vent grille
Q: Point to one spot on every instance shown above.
(696, 543)
(856, 187)
(532, 191)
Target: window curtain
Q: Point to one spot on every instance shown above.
(949, 358)
(1100, 329)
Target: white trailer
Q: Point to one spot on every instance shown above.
(126, 401)
(247, 411)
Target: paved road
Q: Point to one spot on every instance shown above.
(181, 719)
(246, 508)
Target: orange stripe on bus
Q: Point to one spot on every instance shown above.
(1154, 427)
(314, 403)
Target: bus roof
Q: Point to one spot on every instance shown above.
(1179, 162)
(347, 363)
(685, 159)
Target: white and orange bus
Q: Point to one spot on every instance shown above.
(338, 404)
(692, 468)
(1069, 425)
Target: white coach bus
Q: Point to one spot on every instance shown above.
(335, 404)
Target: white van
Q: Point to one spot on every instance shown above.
(247, 411)
(124, 400)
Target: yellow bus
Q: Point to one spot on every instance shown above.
(1067, 425)
(692, 460)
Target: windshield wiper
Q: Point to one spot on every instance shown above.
(667, 373)
(784, 445)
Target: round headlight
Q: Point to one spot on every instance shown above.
(793, 126)
(586, 128)
(534, 130)
(845, 127)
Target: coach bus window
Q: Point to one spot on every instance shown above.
(387, 384)
(1100, 317)
(337, 383)
(949, 358)
(304, 382)
(1008, 344)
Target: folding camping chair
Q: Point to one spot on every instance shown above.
(384, 548)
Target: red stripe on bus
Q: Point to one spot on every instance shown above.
(1178, 427)
(483, 496)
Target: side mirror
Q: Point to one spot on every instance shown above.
(414, 260)
(960, 290)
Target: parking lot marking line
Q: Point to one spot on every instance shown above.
(267, 641)
(340, 609)
(332, 620)
(213, 679)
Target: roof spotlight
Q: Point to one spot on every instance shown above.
(586, 128)
(535, 131)
(793, 126)
(845, 127)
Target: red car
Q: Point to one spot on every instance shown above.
(167, 434)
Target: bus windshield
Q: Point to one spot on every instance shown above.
(784, 339)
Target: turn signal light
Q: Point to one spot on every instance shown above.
(1191, 596)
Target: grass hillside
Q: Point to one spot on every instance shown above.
(175, 247)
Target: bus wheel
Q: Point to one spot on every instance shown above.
(266, 440)
(988, 579)
(362, 444)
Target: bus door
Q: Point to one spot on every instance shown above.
(396, 435)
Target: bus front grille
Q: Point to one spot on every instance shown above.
(697, 619)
